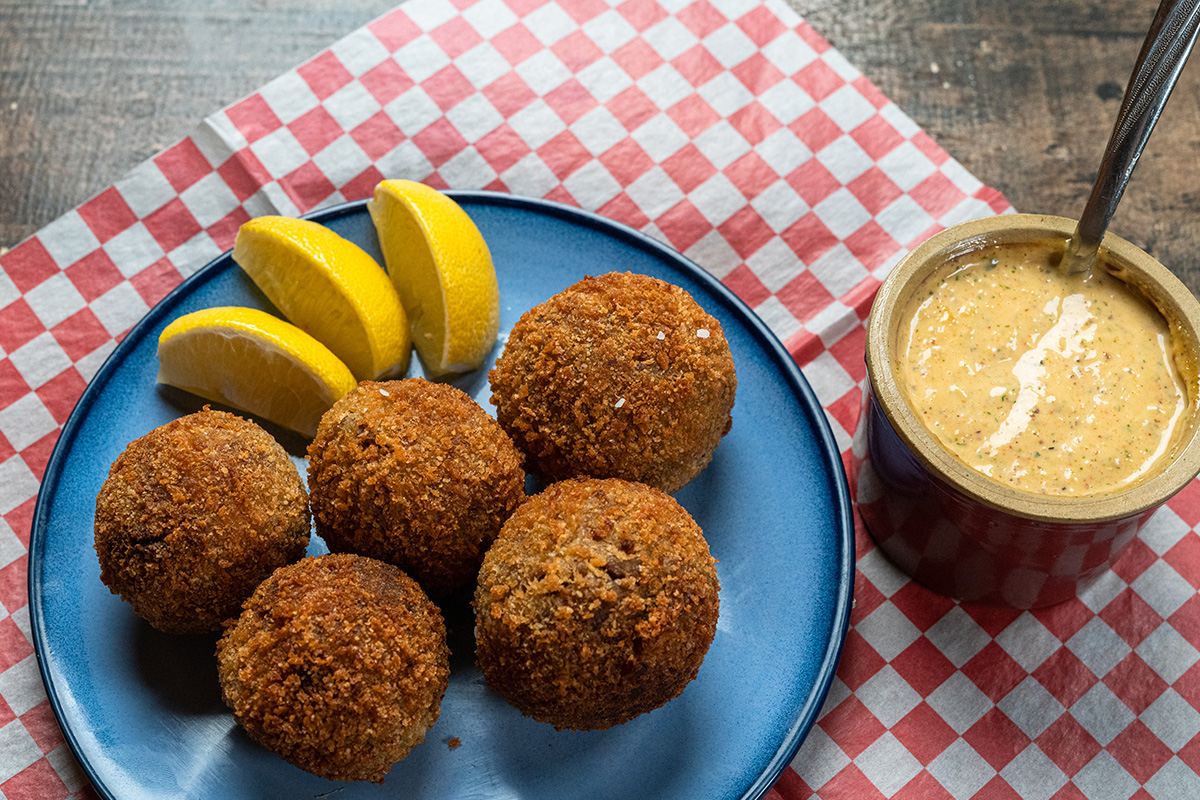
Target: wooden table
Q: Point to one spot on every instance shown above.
(89, 92)
(1023, 93)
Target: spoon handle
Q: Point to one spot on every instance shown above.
(1168, 44)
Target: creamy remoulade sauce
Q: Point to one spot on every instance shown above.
(1050, 383)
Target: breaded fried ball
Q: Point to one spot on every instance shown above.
(338, 664)
(415, 474)
(617, 376)
(597, 603)
(194, 515)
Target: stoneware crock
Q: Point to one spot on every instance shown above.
(957, 531)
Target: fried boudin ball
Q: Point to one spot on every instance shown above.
(597, 603)
(338, 664)
(194, 515)
(621, 376)
(416, 474)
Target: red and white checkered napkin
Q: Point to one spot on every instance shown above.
(732, 131)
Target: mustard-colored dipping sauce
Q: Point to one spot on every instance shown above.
(1050, 383)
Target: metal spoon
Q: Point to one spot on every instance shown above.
(1167, 46)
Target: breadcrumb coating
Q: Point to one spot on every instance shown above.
(597, 603)
(338, 664)
(416, 474)
(621, 376)
(193, 515)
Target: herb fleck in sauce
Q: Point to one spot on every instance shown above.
(1051, 383)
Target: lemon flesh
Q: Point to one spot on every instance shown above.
(331, 288)
(443, 271)
(255, 362)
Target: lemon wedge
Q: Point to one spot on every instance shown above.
(329, 287)
(255, 362)
(443, 271)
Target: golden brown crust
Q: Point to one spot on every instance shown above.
(416, 474)
(193, 515)
(620, 375)
(338, 664)
(597, 603)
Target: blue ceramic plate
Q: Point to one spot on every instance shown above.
(143, 711)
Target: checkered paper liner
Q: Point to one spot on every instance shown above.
(732, 131)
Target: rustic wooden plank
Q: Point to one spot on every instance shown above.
(90, 89)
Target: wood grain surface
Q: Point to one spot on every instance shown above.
(89, 89)
(1022, 92)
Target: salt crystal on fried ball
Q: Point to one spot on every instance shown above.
(621, 376)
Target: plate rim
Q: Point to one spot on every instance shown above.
(790, 372)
